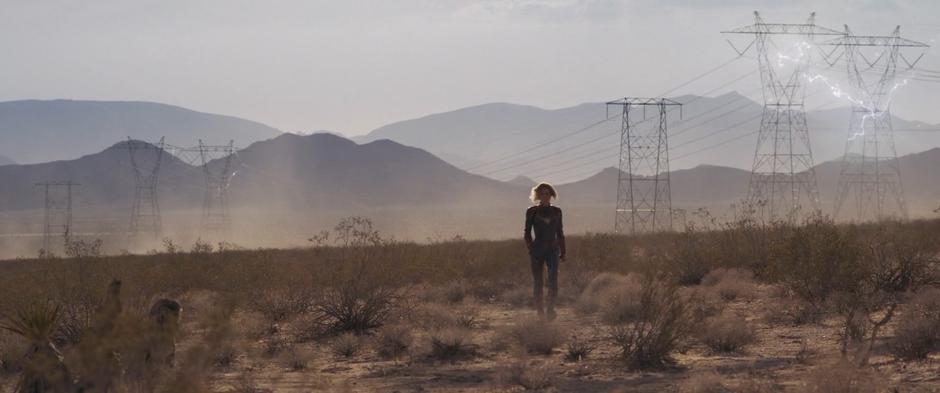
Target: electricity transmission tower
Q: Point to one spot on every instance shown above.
(871, 175)
(57, 217)
(783, 181)
(215, 214)
(644, 203)
(145, 212)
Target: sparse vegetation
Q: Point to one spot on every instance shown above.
(393, 341)
(727, 333)
(918, 331)
(452, 344)
(536, 336)
(346, 345)
(529, 375)
(258, 312)
(578, 349)
(662, 322)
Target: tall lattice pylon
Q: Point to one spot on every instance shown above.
(57, 214)
(145, 211)
(644, 201)
(215, 214)
(871, 175)
(783, 181)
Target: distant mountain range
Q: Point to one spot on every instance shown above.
(35, 131)
(505, 140)
(325, 171)
(498, 140)
(312, 171)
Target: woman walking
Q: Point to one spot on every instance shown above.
(548, 245)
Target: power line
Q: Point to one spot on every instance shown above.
(570, 148)
(553, 140)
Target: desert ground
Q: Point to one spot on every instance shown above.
(734, 307)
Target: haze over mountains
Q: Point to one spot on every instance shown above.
(35, 131)
(325, 171)
(299, 176)
(470, 136)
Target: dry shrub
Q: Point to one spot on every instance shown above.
(663, 322)
(727, 333)
(453, 292)
(705, 382)
(517, 297)
(817, 260)
(805, 354)
(467, 316)
(530, 376)
(452, 344)
(578, 349)
(688, 256)
(346, 345)
(613, 295)
(393, 341)
(844, 377)
(356, 306)
(275, 345)
(918, 330)
(297, 359)
(730, 284)
(756, 384)
(439, 316)
(535, 335)
(701, 304)
(278, 305)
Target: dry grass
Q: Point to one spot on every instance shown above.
(346, 345)
(844, 377)
(727, 333)
(918, 331)
(532, 375)
(535, 335)
(661, 325)
(393, 341)
(706, 382)
(452, 344)
(730, 284)
(268, 300)
(616, 297)
(578, 349)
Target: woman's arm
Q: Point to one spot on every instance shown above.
(528, 228)
(561, 235)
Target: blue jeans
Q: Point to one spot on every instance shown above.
(543, 257)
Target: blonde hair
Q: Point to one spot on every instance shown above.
(535, 191)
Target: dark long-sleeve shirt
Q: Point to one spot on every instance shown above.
(546, 223)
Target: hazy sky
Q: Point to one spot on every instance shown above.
(351, 66)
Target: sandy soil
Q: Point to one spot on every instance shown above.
(780, 360)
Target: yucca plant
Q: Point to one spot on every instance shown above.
(44, 370)
(35, 322)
